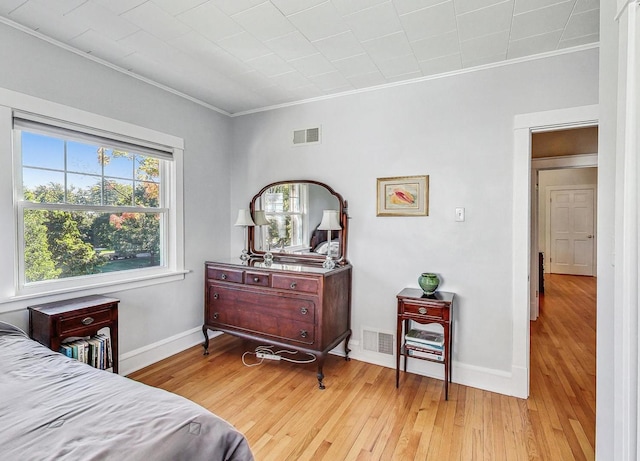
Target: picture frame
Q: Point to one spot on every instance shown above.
(403, 196)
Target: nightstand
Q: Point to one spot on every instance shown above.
(414, 305)
(51, 323)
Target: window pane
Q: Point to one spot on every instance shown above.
(61, 244)
(42, 151)
(118, 192)
(118, 163)
(83, 158)
(83, 189)
(147, 194)
(147, 168)
(43, 186)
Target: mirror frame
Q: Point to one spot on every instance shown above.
(341, 260)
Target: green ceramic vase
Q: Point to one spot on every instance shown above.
(429, 282)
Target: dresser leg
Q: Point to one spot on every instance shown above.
(346, 347)
(205, 332)
(320, 374)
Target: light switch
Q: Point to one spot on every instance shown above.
(459, 214)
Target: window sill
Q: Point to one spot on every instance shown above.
(19, 302)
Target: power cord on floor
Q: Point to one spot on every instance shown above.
(263, 353)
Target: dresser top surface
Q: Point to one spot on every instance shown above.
(417, 294)
(276, 266)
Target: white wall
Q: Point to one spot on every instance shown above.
(458, 130)
(148, 315)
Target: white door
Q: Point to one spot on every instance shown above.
(572, 231)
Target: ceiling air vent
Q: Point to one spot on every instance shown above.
(306, 136)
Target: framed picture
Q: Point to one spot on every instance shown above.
(403, 196)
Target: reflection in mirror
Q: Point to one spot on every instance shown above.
(293, 212)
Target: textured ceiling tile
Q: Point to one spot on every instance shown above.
(119, 6)
(233, 6)
(534, 45)
(429, 22)
(399, 66)
(331, 81)
(339, 46)
(355, 65)
(524, 6)
(244, 46)
(313, 65)
(38, 17)
(487, 45)
(384, 48)
(254, 80)
(586, 5)
(486, 21)
(466, 6)
(59, 6)
(202, 18)
(101, 47)
(294, 6)
(434, 47)
(264, 21)
(291, 80)
(270, 65)
(367, 80)
(441, 64)
(291, 46)
(319, 22)
(7, 6)
(149, 46)
(174, 8)
(407, 6)
(155, 20)
(406, 77)
(102, 20)
(581, 24)
(584, 40)
(374, 22)
(541, 21)
(482, 61)
(346, 7)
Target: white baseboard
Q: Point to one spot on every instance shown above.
(502, 382)
(147, 355)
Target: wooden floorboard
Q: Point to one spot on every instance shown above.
(362, 416)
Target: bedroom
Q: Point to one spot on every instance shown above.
(462, 138)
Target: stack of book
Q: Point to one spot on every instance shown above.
(425, 344)
(94, 350)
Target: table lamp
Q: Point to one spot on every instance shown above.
(329, 223)
(260, 219)
(244, 220)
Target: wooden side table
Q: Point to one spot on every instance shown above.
(414, 305)
(51, 323)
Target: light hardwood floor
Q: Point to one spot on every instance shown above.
(362, 416)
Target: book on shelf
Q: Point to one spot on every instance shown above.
(428, 347)
(414, 351)
(94, 350)
(426, 337)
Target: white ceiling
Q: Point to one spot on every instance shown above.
(241, 55)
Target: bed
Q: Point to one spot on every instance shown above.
(55, 408)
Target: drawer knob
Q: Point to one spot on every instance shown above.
(216, 315)
(422, 310)
(293, 285)
(216, 296)
(304, 310)
(223, 276)
(304, 333)
(256, 279)
(87, 320)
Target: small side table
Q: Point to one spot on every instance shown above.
(414, 305)
(50, 323)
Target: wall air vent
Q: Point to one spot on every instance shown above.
(377, 341)
(306, 136)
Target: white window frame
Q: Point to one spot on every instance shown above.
(12, 288)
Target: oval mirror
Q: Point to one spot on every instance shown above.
(292, 218)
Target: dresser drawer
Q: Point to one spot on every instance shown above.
(79, 322)
(295, 283)
(225, 275)
(257, 278)
(435, 312)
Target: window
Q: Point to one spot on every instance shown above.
(285, 207)
(93, 207)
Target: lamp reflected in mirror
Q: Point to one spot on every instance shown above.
(261, 220)
(330, 222)
(244, 220)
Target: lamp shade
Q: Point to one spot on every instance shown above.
(330, 220)
(260, 218)
(244, 218)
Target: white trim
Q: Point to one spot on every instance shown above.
(524, 125)
(565, 161)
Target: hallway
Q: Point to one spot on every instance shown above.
(563, 367)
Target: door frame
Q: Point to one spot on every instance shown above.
(524, 266)
(547, 230)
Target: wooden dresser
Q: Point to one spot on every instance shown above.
(303, 307)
